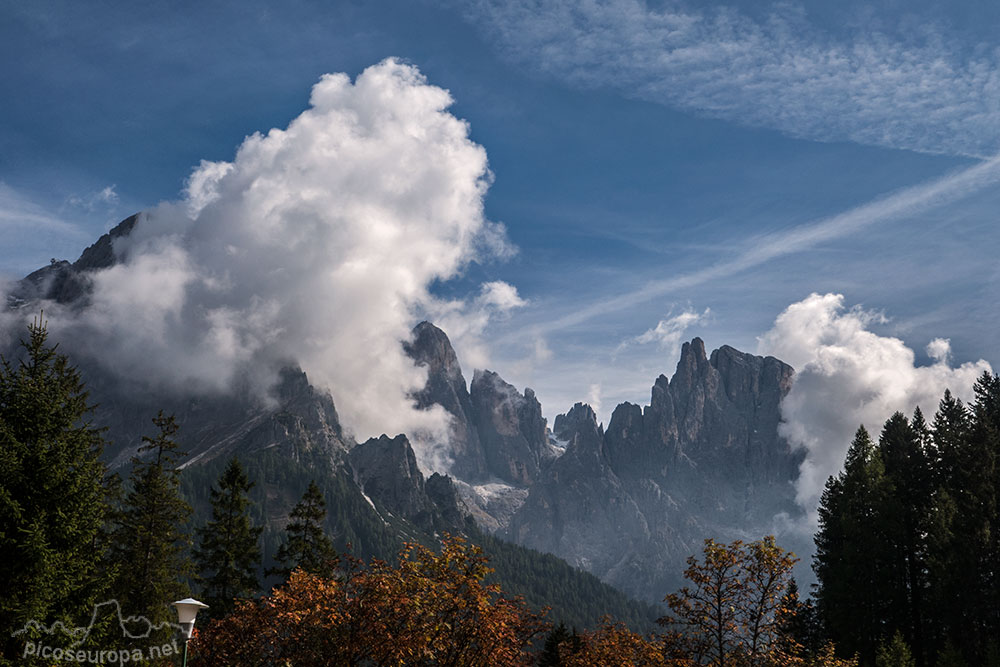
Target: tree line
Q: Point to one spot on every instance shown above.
(72, 535)
(908, 547)
(907, 558)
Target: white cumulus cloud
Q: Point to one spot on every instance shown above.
(846, 375)
(317, 244)
(465, 320)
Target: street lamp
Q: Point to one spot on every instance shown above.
(187, 610)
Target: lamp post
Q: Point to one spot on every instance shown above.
(187, 610)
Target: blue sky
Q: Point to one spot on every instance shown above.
(712, 162)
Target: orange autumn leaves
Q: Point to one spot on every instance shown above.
(431, 609)
(435, 609)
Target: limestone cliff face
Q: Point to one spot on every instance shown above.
(711, 432)
(579, 506)
(431, 349)
(497, 433)
(386, 470)
(703, 459)
(511, 428)
(299, 420)
(629, 504)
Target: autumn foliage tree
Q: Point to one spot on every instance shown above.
(614, 645)
(729, 613)
(429, 609)
(735, 611)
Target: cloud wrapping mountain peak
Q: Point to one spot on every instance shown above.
(318, 244)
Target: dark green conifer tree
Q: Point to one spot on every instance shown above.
(894, 653)
(904, 522)
(950, 656)
(950, 431)
(53, 494)
(852, 559)
(549, 657)
(307, 547)
(951, 567)
(798, 624)
(150, 545)
(982, 516)
(228, 553)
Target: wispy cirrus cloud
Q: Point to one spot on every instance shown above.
(928, 94)
(32, 233)
(668, 331)
(765, 248)
(20, 213)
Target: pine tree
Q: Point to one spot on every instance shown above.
(149, 540)
(951, 564)
(308, 547)
(228, 553)
(852, 560)
(894, 653)
(982, 529)
(904, 521)
(798, 628)
(949, 656)
(53, 498)
(549, 657)
(950, 431)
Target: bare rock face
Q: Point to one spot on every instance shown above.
(386, 469)
(711, 432)
(300, 421)
(579, 507)
(445, 386)
(703, 459)
(497, 433)
(511, 428)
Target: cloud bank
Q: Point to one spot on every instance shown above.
(928, 93)
(318, 244)
(847, 375)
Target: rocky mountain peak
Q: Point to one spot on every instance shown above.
(102, 253)
(511, 428)
(692, 366)
(431, 347)
(386, 468)
(445, 386)
(580, 416)
(704, 458)
(70, 284)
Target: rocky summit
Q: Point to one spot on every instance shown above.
(703, 459)
(628, 503)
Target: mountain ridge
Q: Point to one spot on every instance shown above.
(627, 503)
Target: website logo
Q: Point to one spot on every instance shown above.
(133, 628)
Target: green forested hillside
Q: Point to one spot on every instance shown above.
(576, 598)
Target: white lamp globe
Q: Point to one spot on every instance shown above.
(187, 610)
